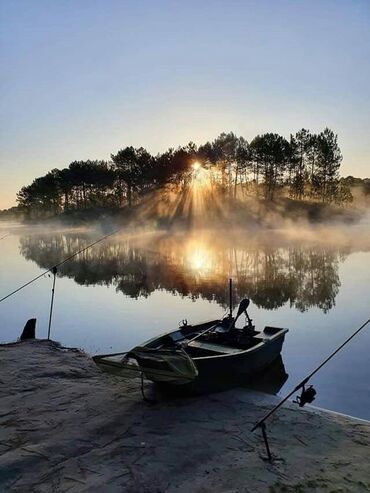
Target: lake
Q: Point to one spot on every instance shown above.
(135, 285)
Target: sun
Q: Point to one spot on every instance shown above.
(199, 174)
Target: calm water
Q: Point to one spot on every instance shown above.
(132, 287)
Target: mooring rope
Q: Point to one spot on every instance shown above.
(60, 263)
(261, 422)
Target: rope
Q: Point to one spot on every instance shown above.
(59, 264)
(7, 234)
(305, 380)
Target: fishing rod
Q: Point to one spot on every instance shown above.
(307, 395)
(60, 263)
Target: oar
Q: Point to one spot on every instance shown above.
(242, 308)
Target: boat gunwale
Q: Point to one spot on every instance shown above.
(264, 342)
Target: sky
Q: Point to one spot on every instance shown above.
(81, 79)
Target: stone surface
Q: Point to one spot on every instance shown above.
(65, 426)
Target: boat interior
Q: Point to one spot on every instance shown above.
(214, 338)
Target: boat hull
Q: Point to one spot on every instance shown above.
(230, 367)
(185, 358)
(240, 363)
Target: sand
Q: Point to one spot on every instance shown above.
(65, 426)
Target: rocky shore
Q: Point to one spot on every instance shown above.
(65, 426)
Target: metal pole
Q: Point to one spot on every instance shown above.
(231, 297)
(262, 421)
(264, 434)
(54, 271)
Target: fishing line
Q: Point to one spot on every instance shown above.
(261, 422)
(60, 263)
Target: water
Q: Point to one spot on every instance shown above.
(135, 286)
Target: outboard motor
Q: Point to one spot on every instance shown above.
(243, 305)
(249, 329)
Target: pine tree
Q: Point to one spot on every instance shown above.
(328, 163)
(299, 158)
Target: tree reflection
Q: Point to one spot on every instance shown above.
(270, 272)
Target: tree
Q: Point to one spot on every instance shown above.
(65, 185)
(242, 162)
(226, 149)
(42, 196)
(343, 194)
(228, 155)
(271, 152)
(328, 163)
(298, 163)
(312, 160)
(132, 167)
(308, 163)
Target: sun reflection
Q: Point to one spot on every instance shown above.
(198, 260)
(198, 257)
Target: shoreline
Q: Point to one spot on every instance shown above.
(68, 427)
(255, 212)
(319, 410)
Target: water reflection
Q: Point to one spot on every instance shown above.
(271, 271)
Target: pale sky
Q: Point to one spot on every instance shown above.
(81, 79)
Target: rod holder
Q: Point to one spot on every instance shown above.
(54, 272)
(231, 297)
(264, 434)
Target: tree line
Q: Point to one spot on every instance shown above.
(304, 167)
(271, 276)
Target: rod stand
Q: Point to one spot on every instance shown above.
(264, 434)
(54, 272)
(145, 398)
(230, 297)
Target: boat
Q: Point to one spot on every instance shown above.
(193, 354)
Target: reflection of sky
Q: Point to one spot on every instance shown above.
(82, 79)
(100, 319)
(267, 270)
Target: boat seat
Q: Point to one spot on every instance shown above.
(217, 348)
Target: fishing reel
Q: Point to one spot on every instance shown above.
(307, 396)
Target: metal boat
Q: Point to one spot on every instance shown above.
(204, 352)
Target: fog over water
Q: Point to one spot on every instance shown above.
(139, 283)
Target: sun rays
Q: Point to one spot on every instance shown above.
(193, 200)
